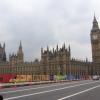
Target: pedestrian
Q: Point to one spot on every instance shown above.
(1, 97)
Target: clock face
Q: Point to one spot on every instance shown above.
(94, 37)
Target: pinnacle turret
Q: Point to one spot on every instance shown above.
(20, 53)
(57, 47)
(20, 46)
(4, 45)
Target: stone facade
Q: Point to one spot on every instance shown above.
(59, 61)
(53, 62)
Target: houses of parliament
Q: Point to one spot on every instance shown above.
(57, 61)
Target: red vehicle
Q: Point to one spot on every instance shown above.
(5, 78)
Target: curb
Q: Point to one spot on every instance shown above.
(33, 83)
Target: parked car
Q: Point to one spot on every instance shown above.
(95, 77)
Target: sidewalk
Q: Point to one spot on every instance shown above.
(6, 85)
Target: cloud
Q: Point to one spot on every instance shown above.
(39, 23)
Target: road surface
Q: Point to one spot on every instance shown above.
(76, 90)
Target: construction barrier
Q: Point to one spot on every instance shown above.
(22, 78)
(40, 77)
(32, 78)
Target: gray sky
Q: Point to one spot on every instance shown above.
(38, 23)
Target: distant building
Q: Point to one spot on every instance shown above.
(57, 61)
(5, 68)
(17, 58)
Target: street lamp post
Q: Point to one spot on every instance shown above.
(70, 63)
(70, 70)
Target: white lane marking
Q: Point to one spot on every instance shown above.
(47, 91)
(36, 88)
(69, 96)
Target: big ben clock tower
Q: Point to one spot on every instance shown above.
(95, 43)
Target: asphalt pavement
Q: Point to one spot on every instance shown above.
(74, 90)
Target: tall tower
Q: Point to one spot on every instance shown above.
(4, 53)
(20, 54)
(95, 43)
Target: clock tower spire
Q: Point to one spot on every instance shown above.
(20, 54)
(95, 26)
